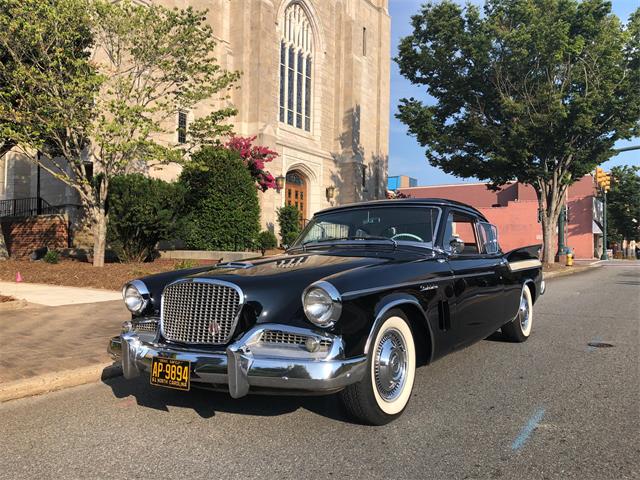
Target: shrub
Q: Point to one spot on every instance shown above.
(221, 203)
(51, 257)
(142, 211)
(289, 221)
(185, 264)
(266, 241)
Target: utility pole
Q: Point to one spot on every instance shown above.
(603, 180)
(604, 221)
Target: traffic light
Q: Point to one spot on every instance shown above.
(600, 177)
(606, 183)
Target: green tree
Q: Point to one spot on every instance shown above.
(289, 221)
(533, 90)
(623, 204)
(221, 202)
(39, 39)
(108, 84)
(266, 240)
(142, 211)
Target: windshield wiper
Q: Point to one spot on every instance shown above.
(368, 237)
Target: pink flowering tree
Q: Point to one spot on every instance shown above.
(255, 157)
(397, 194)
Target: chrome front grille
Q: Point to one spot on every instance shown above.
(278, 337)
(200, 311)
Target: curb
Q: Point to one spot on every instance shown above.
(564, 273)
(58, 380)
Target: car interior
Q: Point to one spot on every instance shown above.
(462, 227)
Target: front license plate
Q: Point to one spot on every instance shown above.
(171, 373)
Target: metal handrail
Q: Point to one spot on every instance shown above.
(27, 207)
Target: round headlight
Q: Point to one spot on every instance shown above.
(136, 296)
(322, 304)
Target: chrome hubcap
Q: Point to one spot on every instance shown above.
(524, 314)
(390, 365)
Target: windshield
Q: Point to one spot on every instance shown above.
(401, 224)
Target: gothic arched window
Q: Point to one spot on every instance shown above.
(296, 57)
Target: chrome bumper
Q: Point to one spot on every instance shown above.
(246, 363)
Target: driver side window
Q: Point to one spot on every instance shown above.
(460, 234)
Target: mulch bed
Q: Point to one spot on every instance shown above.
(80, 274)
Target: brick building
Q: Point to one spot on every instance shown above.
(514, 210)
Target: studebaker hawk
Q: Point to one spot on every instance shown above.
(366, 294)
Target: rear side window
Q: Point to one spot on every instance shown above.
(462, 227)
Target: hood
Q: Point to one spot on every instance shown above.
(273, 286)
(283, 269)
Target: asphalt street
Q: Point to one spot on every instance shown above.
(553, 407)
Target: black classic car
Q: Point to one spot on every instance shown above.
(366, 294)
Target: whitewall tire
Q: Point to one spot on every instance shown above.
(519, 329)
(385, 391)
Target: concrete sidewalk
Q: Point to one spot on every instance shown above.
(53, 295)
(45, 348)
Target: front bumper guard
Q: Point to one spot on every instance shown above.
(246, 364)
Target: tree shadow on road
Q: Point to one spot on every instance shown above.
(207, 403)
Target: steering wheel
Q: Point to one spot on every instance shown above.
(409, 235)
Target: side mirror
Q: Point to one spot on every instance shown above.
(457, 245)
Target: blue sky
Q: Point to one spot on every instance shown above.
(406, 156)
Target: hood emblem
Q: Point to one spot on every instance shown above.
(424, 288)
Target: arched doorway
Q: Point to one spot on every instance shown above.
(296, 192)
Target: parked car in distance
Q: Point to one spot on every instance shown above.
(366, 294)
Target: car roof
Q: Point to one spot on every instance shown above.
(426, 202)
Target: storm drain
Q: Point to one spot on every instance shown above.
(600, 345)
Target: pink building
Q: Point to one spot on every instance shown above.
(514, 210)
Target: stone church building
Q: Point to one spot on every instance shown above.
(314, 88)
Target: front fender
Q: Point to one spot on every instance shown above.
(399, 300)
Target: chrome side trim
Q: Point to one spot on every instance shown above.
(524, 265)
(364, 291)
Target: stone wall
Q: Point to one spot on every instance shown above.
(24, 235)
